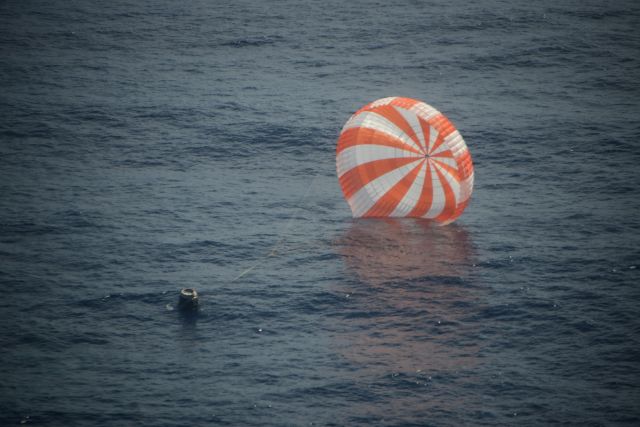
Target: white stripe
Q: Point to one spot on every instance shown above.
(466, 188)
(363, 153)
(437, 206)
(459, 150)
(447, 161)
(453, 142)
(372, 120)
(455, 185)
(367, 196)
(425, 111)
(410, 200)
(412, 119)
(443, 147)
(433, 135)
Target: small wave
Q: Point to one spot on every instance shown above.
(251, 41)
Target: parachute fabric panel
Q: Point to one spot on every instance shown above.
(399, 157)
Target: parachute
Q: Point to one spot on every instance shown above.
(400, 157)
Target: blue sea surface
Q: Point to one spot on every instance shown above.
(150, 146)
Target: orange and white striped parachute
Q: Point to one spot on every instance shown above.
(399, 157)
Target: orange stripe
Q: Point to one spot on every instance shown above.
(459, 209)
(426, 132)
(388, 203)
(445, 153)
(442, 124)
(444, 128)
(405, 103)
(439, 141)
(361, 175)
(391, 114)
(362, 136)
(453, 171)
(449, 199)
(426, 195)
(367, 107)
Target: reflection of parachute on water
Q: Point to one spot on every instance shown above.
(405, 324)
(391, 250)
(398, 157)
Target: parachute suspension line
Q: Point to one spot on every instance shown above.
(281, 237)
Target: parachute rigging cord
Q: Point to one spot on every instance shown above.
(282, 236)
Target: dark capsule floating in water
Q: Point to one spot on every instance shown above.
(188, 300)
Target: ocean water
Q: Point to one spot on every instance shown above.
(149, 146)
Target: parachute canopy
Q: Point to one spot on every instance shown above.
(399, 157)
